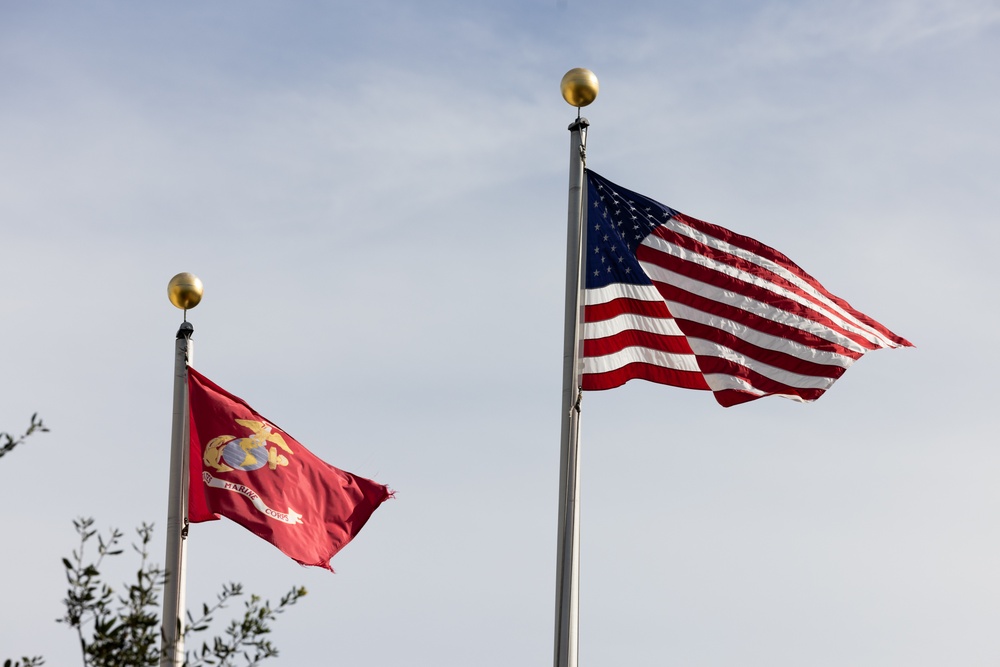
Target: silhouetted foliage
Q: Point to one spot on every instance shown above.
(9, 442)
(24, 662)
(123, 630)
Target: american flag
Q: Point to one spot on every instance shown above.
(678, 301)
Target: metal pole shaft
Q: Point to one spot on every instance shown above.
(568, 564)
(172, 648)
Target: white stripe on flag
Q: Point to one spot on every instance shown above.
(630, 355)
(706, 348)
(631, 321)
(599, 295)
(807, 287)
(667, 248)
(745, 303)
(759, 338)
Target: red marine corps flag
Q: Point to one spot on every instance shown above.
(246, 469)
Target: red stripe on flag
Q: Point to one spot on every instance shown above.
(767, 356)
(745, 266)
(773, 300)
(598, 347)
(642, 371)
(606, 311)
(751, 245)
(715, 365)
(727, 398)
(753, 321)
(767, 252)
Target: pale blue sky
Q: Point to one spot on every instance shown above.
(374, 195)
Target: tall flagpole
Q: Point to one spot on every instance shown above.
(579, 88)
(184, 290)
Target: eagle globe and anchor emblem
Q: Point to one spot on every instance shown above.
(227, 453)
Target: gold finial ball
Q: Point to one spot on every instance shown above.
(579, 87)
(185, 290)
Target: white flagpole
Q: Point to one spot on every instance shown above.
(579, 88)
(185, 292)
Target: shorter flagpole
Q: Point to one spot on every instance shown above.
(579, 88)
(184, 290)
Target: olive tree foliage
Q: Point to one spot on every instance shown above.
(8, 442)
(122, 628)
(24, 662)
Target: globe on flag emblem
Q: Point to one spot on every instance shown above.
(239, 458)
(226, 453)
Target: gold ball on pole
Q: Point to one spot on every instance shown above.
(579, 87)
(185, 290)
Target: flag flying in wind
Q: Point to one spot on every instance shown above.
(246, 469)
(678, 301)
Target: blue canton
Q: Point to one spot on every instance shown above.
(617, 222)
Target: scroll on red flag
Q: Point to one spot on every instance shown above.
(246, 469)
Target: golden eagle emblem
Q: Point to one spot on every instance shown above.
(227, 452)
